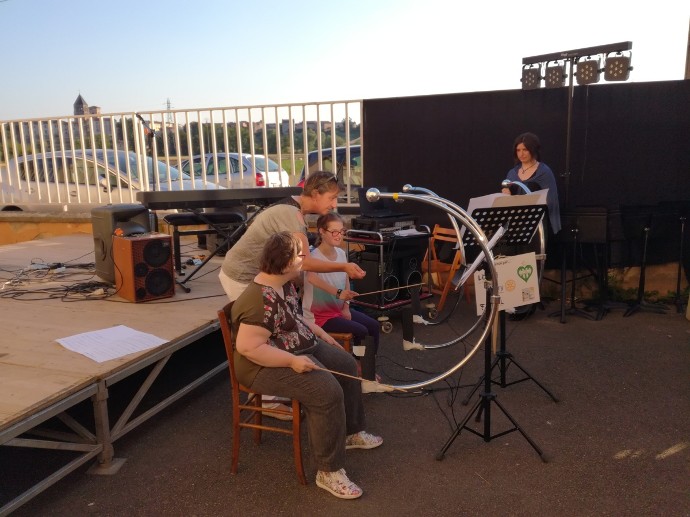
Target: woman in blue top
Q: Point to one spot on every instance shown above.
(535, 175)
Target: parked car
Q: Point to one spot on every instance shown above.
(75, 177)
(268, 172)
(340, 167)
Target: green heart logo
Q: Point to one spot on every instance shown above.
(525, 272)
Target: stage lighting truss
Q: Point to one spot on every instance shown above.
(555, 75)
(617, 67)
(588, 70)
(531, 77)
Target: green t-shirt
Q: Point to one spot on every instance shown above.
(241, 262)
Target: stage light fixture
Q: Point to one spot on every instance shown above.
(588, 71)
(555, 75)
(531, 77)
(617, 67)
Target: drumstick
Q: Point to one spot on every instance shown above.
(391, 289)
(377, 386)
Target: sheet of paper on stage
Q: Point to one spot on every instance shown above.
(111, 343)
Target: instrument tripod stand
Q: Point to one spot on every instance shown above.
(520, 225)
(503, 360)
(483, 406)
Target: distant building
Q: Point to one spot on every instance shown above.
(82, 108)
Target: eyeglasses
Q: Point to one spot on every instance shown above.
(335, 233)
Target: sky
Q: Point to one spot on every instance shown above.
(134, 55)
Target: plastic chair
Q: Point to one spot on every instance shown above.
(443, 270)
(248, 415)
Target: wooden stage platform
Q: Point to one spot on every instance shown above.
(41, 381)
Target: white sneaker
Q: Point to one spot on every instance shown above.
(363, 440)
(338, 484)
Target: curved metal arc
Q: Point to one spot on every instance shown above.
(459, 214)
(457, 339)
(407, 188)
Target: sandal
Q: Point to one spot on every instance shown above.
(363, 440)
(338, 484)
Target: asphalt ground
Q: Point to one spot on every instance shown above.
(617, 442)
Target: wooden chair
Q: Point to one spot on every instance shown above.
(344, 338)
(444, 271)
(248, 415)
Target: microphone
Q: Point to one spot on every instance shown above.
(506, 183)
(147, 128)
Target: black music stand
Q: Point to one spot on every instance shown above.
(680, 211)
(503, 359)
(640, 221)
(483, 406)
(521, 222)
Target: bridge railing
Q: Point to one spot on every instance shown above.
(50, 163)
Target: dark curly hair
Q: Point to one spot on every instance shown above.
(279, 252)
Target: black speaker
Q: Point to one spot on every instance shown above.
(105, 220)
(381, 279)
(410, 275)
(144, 267)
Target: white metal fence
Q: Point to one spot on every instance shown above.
(75, 162)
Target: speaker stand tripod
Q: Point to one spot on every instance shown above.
(678, 300)
(483, 407)
(503, 360)
(573, 309)
(640, 304)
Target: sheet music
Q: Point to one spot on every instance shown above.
(500, 200)
(111, 343)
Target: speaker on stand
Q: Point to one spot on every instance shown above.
(144, 267)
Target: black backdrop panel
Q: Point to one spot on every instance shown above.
(458, 145)
(629, 142)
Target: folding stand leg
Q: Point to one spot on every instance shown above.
(503, 360)
(573, 307)
(228, 239)
(483, 406)
(678, 301)
(640, 304)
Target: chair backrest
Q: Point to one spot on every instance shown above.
(443, 235)
(226, 329)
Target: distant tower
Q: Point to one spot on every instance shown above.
(80, 106)
(168, 106)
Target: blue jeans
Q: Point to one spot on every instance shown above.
(360, 326)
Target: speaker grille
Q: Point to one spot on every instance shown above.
(144, 269)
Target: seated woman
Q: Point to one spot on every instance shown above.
(277, 352)
(326, 295)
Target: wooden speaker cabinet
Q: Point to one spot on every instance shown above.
(144, 267)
